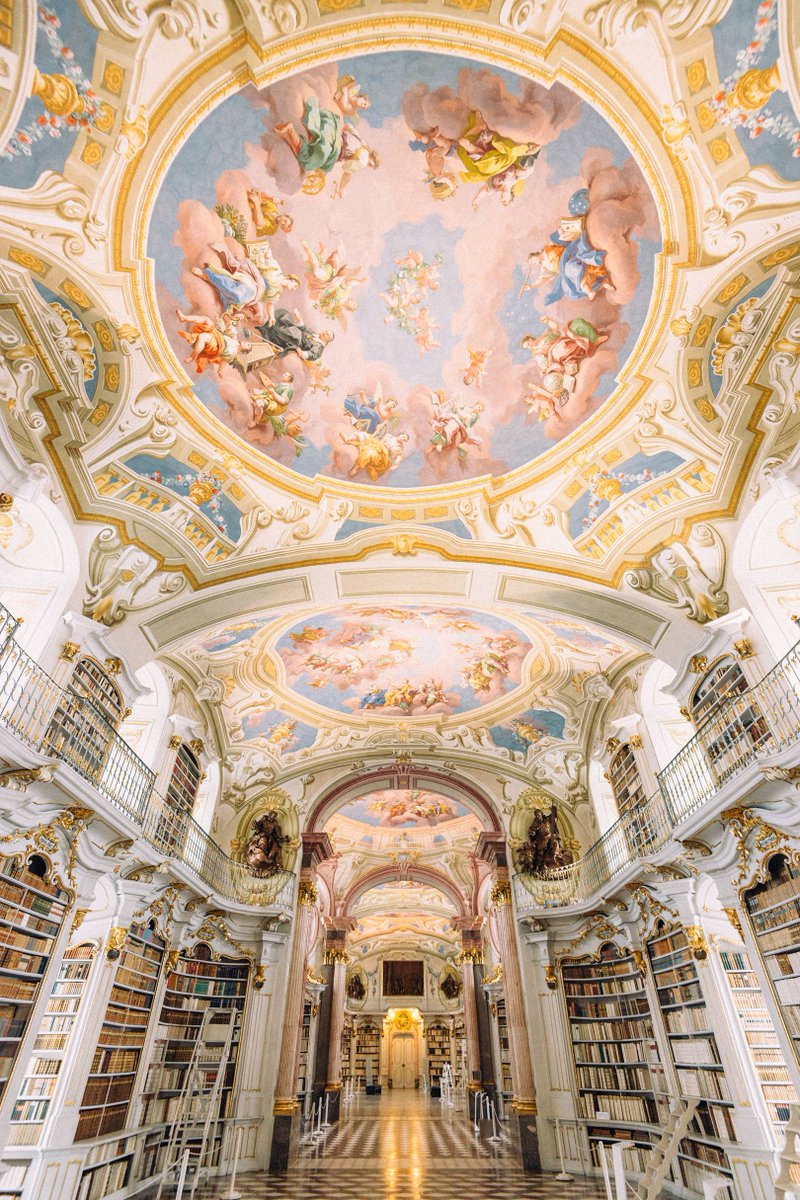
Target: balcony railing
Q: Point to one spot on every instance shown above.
(59, 723)
(763, 720)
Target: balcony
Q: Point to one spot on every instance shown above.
(60, 725)
(744, 731)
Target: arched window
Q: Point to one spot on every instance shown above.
(625, 780)
(181, 795)
(731, 729)
(86, 720)
(91, 682)
(629, 793)
(184, 781)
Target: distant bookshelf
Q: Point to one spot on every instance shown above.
(32, 911)
(50, 1046)
(773, 908)
(506, 1081)
(695, 1057)
(104, 1108)
(759, 1033)
(437, 1037)
(619, 1075)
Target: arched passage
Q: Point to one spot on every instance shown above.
(402, 871)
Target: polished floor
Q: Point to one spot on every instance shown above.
(405, 1146)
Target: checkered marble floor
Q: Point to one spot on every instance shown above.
(405, 1146)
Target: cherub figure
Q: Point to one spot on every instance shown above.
(349, 96)
(318, 377)
(452, 424)
(376, 453)
(475, 370)
(330, 282)
(558, 353)
(214, 341)
(266, 214)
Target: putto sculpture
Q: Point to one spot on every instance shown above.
(264, 850)
(542, 851)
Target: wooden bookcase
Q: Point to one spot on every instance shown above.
(617, 1066)
(49, 1048)
(438, 1040)
(368, 1045)
(117, 1057)
(347, 1049)
(773, 908)
(505, 1080)
(305, 1066)
(197, 985)
(759, 1033)
(32, 912)
(695, 1058)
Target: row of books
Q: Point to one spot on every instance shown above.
(686, 1020)
(612, 1008)
(617, 1079)
(102, 1181)
(788, 990)
(696, 1051)
(686, 993)
(637, 1110)
(611, 1031)
(783, 964)
(777, 891)
(603, 987)
(685, 973)
(780, 939)
(605, 970)
(710, 1085)
(609, 1052)
(105, 1091)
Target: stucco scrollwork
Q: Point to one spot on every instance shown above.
(678, 18)
(124, 579)
(688, 575)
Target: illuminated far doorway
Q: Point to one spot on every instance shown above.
(401, 1035)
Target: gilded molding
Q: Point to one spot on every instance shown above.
(307, 894)
(500, 895)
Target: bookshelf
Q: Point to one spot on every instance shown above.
(104, 1108)
(759, 1034)
(50, 1046)
(197, 985)
(695, 1058)
(368, 1045)
(505, 1080)
(437, 1037)
(773, 909)
(459, 1053)
(32, 911)
(347, 1049)
(617, 1066)
(305, 1067)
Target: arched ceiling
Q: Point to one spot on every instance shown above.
(433, 535)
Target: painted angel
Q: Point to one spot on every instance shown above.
(214, 340)
(452, 424)
(475, 370)
(330, 282)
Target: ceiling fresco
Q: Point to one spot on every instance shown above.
(417, 660)
(404, 268)
(403, 894)
(399, 808)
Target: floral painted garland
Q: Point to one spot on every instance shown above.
(743, 95)
(49, 123)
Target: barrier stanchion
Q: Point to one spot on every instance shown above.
(238, 1137)
(563, 1175)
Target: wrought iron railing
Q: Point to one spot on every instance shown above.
(57, 722)
(763, 720)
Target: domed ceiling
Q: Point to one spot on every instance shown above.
(403, 269)
(402, 808)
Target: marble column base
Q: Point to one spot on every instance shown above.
(285, 1141)
(528, 1141)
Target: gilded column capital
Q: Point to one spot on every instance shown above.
(307, 893)
(550, 977)
(697, 942)
(472, 954)
(336, 955)
(500, 894)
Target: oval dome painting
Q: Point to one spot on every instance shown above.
(403, 269)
